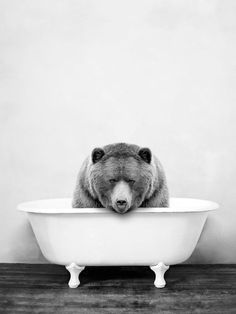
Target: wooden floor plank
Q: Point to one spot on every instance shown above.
(32, 288)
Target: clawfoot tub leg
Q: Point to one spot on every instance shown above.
(74, 271)
(159, 271)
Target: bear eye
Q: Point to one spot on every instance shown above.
(131, 181)
(112, 180)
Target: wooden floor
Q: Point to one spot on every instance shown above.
(26, 288)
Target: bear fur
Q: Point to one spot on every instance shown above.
(121, 177)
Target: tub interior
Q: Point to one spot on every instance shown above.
(63, 205)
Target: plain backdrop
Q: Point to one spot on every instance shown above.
(79, 74)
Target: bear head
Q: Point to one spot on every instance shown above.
(121, 176)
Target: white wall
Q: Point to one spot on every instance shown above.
(79, 74)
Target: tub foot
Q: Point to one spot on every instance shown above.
(74, 271)
(159, 271)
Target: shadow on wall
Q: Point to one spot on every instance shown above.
(212, 238)
(27, 250)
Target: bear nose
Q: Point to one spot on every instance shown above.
(121, 203)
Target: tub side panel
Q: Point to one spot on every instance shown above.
(131, 239)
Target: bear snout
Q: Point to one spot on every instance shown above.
(121, 203)
(121, 197)
(121, 206)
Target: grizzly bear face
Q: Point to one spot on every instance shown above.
(121, 179)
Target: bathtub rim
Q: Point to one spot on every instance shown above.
(204, 205)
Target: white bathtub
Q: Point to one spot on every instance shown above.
(79, 237)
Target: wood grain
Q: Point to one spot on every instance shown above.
(31, 288)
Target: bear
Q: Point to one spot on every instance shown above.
(121, 177)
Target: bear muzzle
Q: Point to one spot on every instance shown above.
(121, 197)
(121, 206)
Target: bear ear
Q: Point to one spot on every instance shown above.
(146, 154)
(97, 154)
